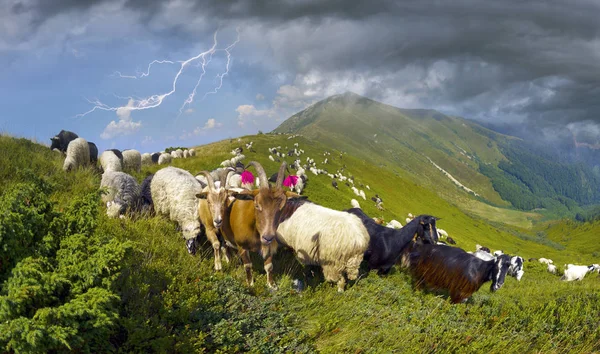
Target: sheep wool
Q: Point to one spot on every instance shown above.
(110, 161)
(164, 159)
(192, 152)
(146, 159)
(123, 193)
(78, 154)
(132, 160)
(173, 193)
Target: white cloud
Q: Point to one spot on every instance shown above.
(260, 97)
(248, 111)
(122, 127)
(188, 111)
(211, 123)
(125, 112)
(147, 140)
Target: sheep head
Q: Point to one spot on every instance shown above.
(216, 198)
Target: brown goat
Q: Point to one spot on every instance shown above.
(211, 202)
(248, 220)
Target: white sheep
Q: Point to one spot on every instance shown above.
(233, 161)
(577, 272)
(333, 239)
(186, 154)
(146, 159)
(123, 193)
(355, 190)
(132, 160)
(552, 268)
(110, 162)
(192, 152)
(442, 232)
(174, 194)
(408, 220)
(271, 158)
(354, 203)
(177, 154)
(361, 193)
(164, 159)
(394, 224)
(78, 154)
(369, 188)
(545, 261)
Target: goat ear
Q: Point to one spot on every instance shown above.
(245, 195)
(201, 195)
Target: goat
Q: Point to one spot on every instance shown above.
(386, 244)
(578, 272)
(516, 267)
(248, 221)
(453, 269)
(332, 239)
(211, 201)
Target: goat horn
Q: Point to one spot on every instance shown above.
(281, 174)
(209, 179)
(262, 176)
(223, 175)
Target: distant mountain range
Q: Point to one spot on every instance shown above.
(459, 158)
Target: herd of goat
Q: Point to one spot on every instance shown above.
(225, 207)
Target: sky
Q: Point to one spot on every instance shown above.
(122, 73)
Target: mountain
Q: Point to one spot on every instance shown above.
(461, 160)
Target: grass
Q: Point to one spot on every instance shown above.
(171, 301)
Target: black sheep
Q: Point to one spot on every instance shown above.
(146, 203)
(93, 153)
(155, 157)
(334, 184)
(61, 140)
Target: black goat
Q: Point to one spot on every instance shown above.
(451, 268)
(386, 244)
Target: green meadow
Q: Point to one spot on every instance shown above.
(74, 280)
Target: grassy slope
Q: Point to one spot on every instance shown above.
(540, 313)
(400, 140)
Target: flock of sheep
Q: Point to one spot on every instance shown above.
(236, 211)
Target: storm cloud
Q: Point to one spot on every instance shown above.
(510, 63)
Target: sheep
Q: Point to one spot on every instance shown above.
(132, 160)
(146, 159)
(211, 201)
(367, 186)
(483, 254)
(453, 269)
(177, 154)
(442, 232)
(483, 248)
(386, 244)
(577, 272)
(233, 161)
(186, 154)
(78, 154)
(354, 203)
(61, 140)
(332, 239)
(334, 184)
(123, 193)
(192, 152)
(110, 162)
(146, 203)
(155, 156)
(164, 159)
(394, 224)
(118, 153)
(362, 194)
(174, 193)
(450, 240)
(93, 153)
(408, 220)
(545, 261)
(552, 268)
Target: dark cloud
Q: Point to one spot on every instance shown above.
(497, 61)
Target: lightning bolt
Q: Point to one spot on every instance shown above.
(153, 101)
